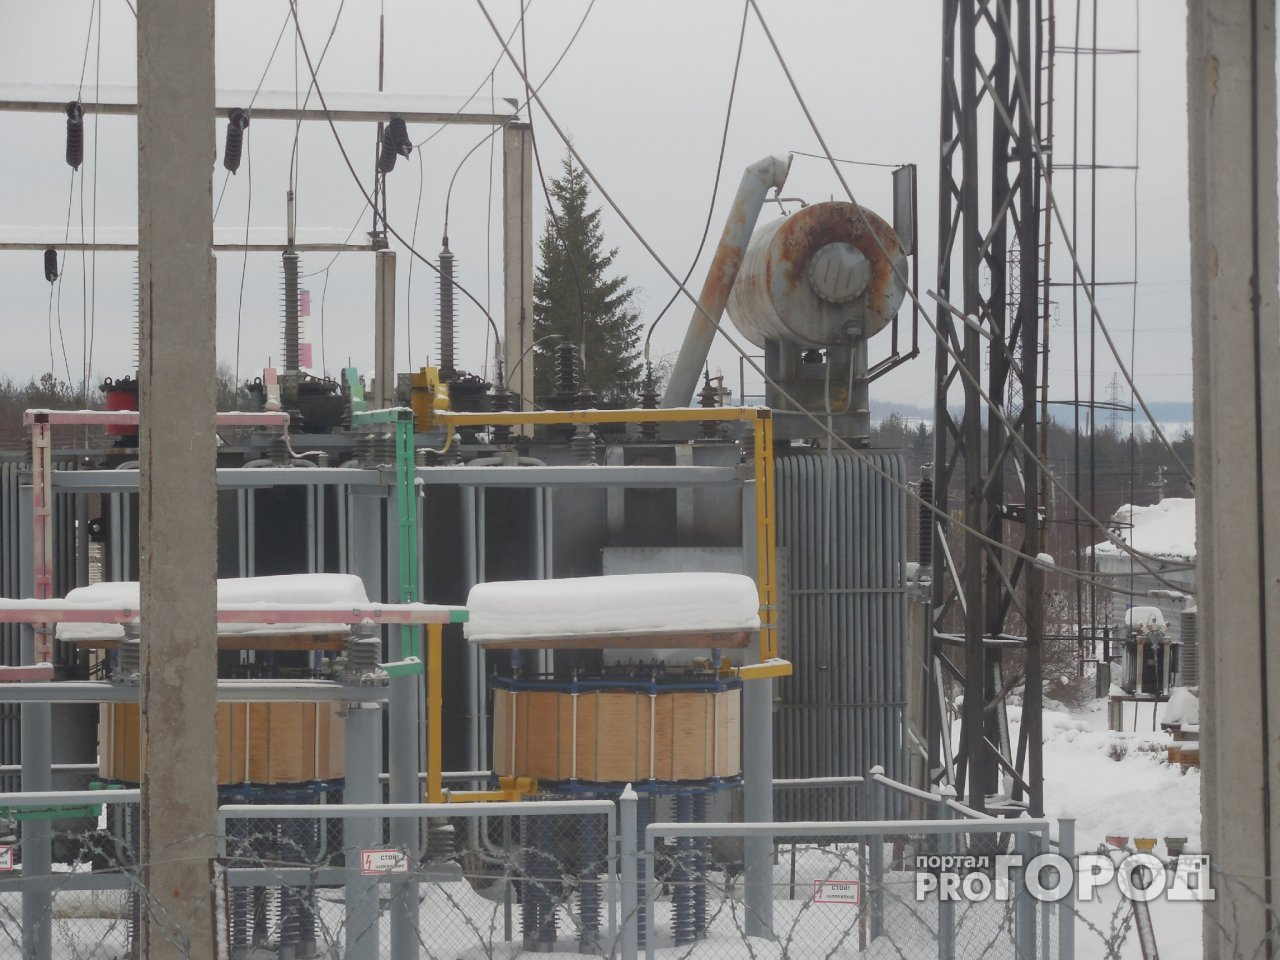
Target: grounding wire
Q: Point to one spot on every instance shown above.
(1024, 102)
(875, 468)
(991, 404)
(715, 185)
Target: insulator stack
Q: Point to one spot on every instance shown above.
(128, 661)
(583, 445)
(708, 397)
(75, 134)
(237, 124)
(395, 142)
(649, 401)
(137, 315)
(442, 840)
(701, 846)
(682, 876)
(447, 323)
(924, 524)
(51, 265)
(644, 817)
(291, 266)
(566, 370)
(1190, 672)
(590, 846)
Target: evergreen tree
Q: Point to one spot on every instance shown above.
(573, 290)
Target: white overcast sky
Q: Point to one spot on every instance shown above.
(643, 94)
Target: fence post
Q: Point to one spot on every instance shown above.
(757, 802)
(946, 908)
(628, 853)
(879, 806)
(1024, 903)
(364, 757)
(1066, 908)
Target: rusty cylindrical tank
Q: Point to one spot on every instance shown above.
(817, 276)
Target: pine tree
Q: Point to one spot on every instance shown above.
(575, 298)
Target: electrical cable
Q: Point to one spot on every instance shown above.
(1051, 199)
(346, 157)
(854, 163)
(551, 208)
(244, 262)
(715, 184)
(994, 408)
(93, 257)
(413, 238)
(226, 177)
(746, 357)
(297, 127)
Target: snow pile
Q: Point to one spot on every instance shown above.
(641, 603)
(1166, 529)
(301, 588)
(1183, 708)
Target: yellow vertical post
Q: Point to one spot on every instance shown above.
(435, 711)
(763, 436)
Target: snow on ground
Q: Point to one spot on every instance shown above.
(631, 603)
(1121, 784)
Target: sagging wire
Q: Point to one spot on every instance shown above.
(992, 405)
(875, 468)
(715, 185)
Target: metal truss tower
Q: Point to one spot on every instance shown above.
(988, 269)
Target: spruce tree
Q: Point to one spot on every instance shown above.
(575, 297)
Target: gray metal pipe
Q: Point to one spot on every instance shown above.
(757, 801)
(756, 181)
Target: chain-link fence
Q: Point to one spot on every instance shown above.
(565, 878)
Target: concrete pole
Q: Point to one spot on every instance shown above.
(178, 522)
(517, 261)
(384, 330)
(363, 752)
(757, 804)
(1236, 367)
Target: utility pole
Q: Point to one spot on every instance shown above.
(178, 517)
(1231, 106)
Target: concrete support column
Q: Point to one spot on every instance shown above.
(178, 522)
(517, 259)
(1231, 101)
(757, 804)
(364, 761)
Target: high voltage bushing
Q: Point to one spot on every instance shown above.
(395, 141)
(291, 266)
(75, 134)
(589, 858)
(51, 265)
(682, 876)
(447, 326)
(237, 124)
(700, 847)
(566, 365)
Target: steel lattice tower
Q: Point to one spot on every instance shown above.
(989, 205)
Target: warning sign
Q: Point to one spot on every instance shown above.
(374, 863)
(837, 891)
(6, 857)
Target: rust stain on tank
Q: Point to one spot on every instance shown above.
(809, 230)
